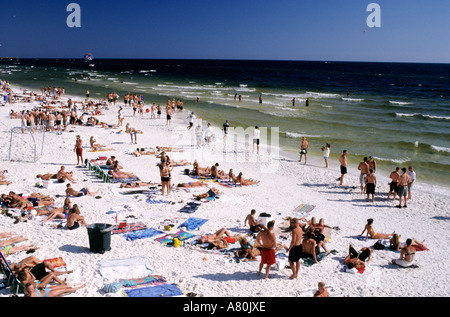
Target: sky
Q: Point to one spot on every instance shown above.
(323, 30)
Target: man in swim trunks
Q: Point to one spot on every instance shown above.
(371, 182)
(79, 150)
(267, 240)
(393, 186)
(343, 161)
(295, 248)
(254, 225)
(83, 192)
(304, 149)
(364, 168)
(403, 188)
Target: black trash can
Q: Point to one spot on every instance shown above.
(99, 237)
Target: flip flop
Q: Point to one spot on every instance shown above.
(98, 197)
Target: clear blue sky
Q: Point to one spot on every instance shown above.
(411, 30)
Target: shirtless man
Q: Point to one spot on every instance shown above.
(169, 114)
(268, 242)
(304, 149)
(393, 186)
(343, 161)
(295, 248)
(309, 247)
(322, 291)
(83, 192)
(253, 224)
(403, 188)
(79, 150)
(371, 182)
(62, 176)
(364, 168)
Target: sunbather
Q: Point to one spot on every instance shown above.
(368, 227)
(62, 176)
(12, 240)
(406, 255)
(13, 249)
(192, 184)
(212, 193)
(137, 184)
(396, 245)
(59, 213)
(54, 291)
(75, 219)
(83, 192)
(244, 182)
(217, 240)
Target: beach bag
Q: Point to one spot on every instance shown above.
(379, 245)
(112, 288)
(186, 171)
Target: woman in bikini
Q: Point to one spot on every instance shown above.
(373, 235)
(59, 213)
(165, 171)
(75, 218)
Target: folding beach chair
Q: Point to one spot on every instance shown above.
(11, 280)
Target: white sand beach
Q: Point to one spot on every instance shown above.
(284, 184)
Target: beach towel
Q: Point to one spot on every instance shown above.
(143, 281)
(125, 180)
(165, 290)
(153, 200)
(181, 235)
(142, 234)
(193, 223)
(127, 268)
(130, 227)
(304, 209)
(57, 262)
(310, 261)
(190, 207)
(139, 192)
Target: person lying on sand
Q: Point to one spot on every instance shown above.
(315, 227)
(3, 182)
(213, 192)
(192, 184)
(59, 213)
(137, 184)
(83, 192)
(54, 291)
(33, 200)
(16, 249)
(217, 239)
(94, 146)
(168, 149)
(140, 152)
(46, 177)
(117, 173)
(357, 259)
(12, 240)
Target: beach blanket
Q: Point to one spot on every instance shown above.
(190, 207)
(193, 223)
(130, 227)
(304, 209)
(181, 235)
(142, 234)
(139, 192)
(165, 290)
(125, 180)
(143, 281)
(127, 268)
(57, 262)
(310, 261)
(153, 200)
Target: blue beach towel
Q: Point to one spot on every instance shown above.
(142, 234)
(190, 207)
(193, 223)
(165, 290)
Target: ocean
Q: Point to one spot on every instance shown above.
(398, 113)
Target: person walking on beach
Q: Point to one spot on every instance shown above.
(372, 164)
(393, 185)
(79, 150)
(304, 149)
(256, 139)
(371, 182)
(226, 125)
(295, 248)
(169, 114)
(343, 161)
(326, 153)
(268, 242)
(260, 100)
(120, 116)
(191, 118)
(412, 179)
(364, 168)
(403, 182)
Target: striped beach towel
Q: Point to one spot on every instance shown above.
(130, 227)
(143, 281)
(304, 209)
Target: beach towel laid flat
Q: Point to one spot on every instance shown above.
(127, 268)
(304, 209)
(57, 262)
(181, 235)
(310, 261)
(193, 223)
(154, 200)
(143, 281)
(125, 180)
(139, 192)
(190, 207)
(165, 290)
(130, 227)
(142, 234)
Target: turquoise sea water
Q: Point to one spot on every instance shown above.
(398, 113)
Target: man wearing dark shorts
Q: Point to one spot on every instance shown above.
(343, 161)
(295, 249)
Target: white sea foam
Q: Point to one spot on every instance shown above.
(440, 148)
(398, 114)
(436, 117)
(321, 95)
(400, 102)
(352, 99)
(300, 135)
